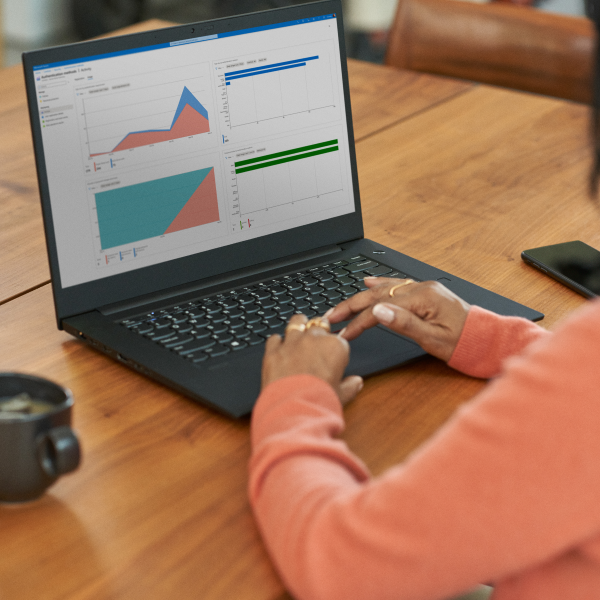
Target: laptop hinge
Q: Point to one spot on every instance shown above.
(237, 276)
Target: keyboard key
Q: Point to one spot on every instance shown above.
(345, 280)
(378, 271)
(357, 258)
(267, 314)
(223, 338)
(241, 333)
(330, 285)
(183, 327)
(159, 334)
(325, 276)
(217, 317)
(293, 284)
(198, 345)
(339, 263)
(298, 294)
(217, 350)
(161, 322)
(234, 313)
(332, 295)
(339, 272)
(237, 345)
(316, 299)
(201, 334)
(228, 303)
(218, 327)
(347, 290)
(255, 340)
(143, 328)
(251, 308)
(300, 305)
(284, 309)
(278, 289)
(361, 266)
(245, 299)
(252, 318)
(360, 286)
(178, 340)
(212, 307)
(267, 303)
(235, 323)
(308, 281)
(261, 294)
(257, 327)
(197, 357)
(199, 323)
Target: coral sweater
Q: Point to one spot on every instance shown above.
(506, 492)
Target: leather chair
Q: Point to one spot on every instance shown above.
(501, 44)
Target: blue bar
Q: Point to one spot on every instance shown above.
(281, 64)
(269, 71)
(228, 83)
(205, 38)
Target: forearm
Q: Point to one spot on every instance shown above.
(488, 339)
(473, 504)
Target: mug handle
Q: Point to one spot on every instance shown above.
(59, 451)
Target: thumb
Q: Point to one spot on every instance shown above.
(349, 388)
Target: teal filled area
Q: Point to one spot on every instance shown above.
(144, 210)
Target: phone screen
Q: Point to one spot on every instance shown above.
(569, 262)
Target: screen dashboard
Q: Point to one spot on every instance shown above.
(166, 151)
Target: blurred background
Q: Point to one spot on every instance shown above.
(30, 24)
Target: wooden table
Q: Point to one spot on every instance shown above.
(458, 175)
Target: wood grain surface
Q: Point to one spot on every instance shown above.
(158, 509)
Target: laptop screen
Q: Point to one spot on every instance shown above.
(163, 151)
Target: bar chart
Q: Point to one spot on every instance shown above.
(287, 88)
(287, 177)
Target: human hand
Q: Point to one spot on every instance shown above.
(427, 312)
(312, 352)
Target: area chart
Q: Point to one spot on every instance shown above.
(153, 208)
(191, 118)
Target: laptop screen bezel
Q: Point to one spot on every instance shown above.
(187, 270)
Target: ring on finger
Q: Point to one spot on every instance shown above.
(319, 322)
(399, 285)
(296, 327)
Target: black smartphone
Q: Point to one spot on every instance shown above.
(574, 264)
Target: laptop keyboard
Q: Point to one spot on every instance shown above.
(231, 321)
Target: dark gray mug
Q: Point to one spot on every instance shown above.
(37, 444)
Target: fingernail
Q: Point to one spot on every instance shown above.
(328, 313)
(341, 332)
(370, 279)
(383, 313)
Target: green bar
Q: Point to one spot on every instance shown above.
(284, 160)
(284, 153)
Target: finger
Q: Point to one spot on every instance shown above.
(295, 326)
(352, 306)
(323, 329)
(273, 342)
(406, 323)
(349, 388)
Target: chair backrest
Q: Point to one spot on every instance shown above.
(501, 44)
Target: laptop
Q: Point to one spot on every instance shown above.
(199, 186)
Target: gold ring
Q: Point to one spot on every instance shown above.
(319, 322)
(399, 285)
(295, 327)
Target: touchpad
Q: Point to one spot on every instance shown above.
(378, 349)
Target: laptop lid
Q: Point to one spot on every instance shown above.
(176, 155)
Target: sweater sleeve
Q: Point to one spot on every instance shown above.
(510, 482)
(487, 339)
